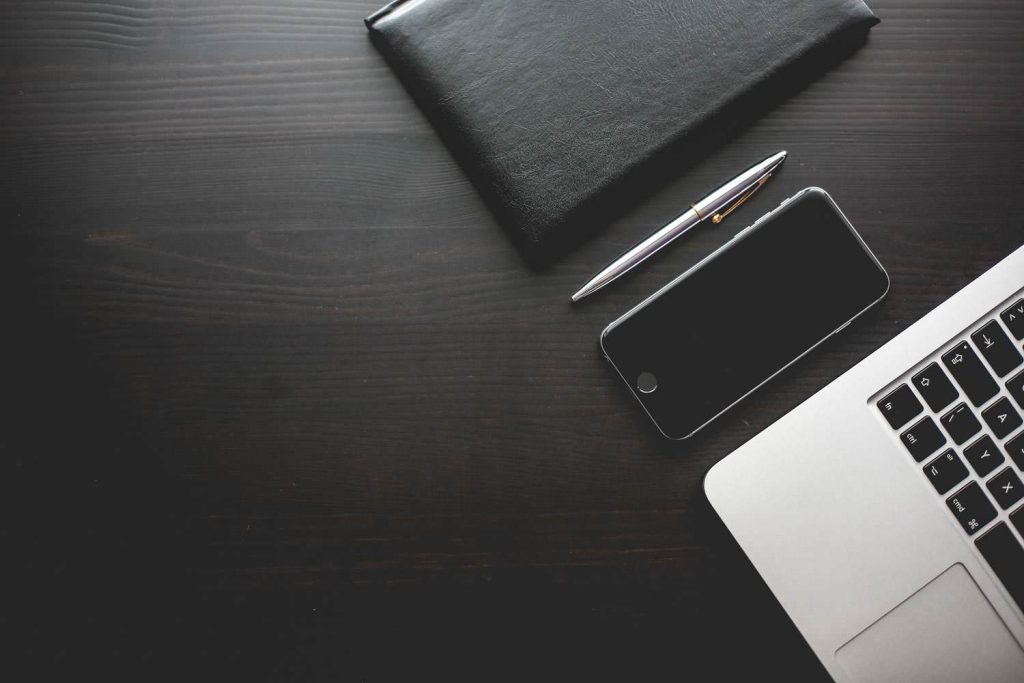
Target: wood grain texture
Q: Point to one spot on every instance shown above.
(288, 406)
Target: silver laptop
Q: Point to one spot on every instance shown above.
(886, 513)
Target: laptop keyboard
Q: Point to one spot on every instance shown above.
(960, 417)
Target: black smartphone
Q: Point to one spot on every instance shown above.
(701, 344)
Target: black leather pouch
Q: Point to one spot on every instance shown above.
(565, 113)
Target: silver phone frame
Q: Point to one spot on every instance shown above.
(746, 232)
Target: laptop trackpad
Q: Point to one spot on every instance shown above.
(947, 631)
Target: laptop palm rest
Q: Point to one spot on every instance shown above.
(946, 631)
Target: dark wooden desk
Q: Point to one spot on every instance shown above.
(287, 404)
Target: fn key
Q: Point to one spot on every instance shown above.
(1005, 555)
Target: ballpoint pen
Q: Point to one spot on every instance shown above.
(715, 206)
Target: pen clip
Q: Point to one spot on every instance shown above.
(721, 215)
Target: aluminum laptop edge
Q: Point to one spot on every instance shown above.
(853, 539)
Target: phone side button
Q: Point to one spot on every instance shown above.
(740, 235)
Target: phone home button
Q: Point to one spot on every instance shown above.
(646, 383)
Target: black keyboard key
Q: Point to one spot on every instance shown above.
(960, 423)
(934, 385)
(971, 508)
(900, 407)
(1014, 319)
(1002, 419)
(1015, 447)
(923, 439)
(1005, 555)
(1017, 517)
(1006, 488)
(999, 351)
(1016, 388)
(946, 471)
(970, 373)
(984, 456)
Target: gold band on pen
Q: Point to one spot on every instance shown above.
(719, 217)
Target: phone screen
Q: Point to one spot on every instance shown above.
(745, 313)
